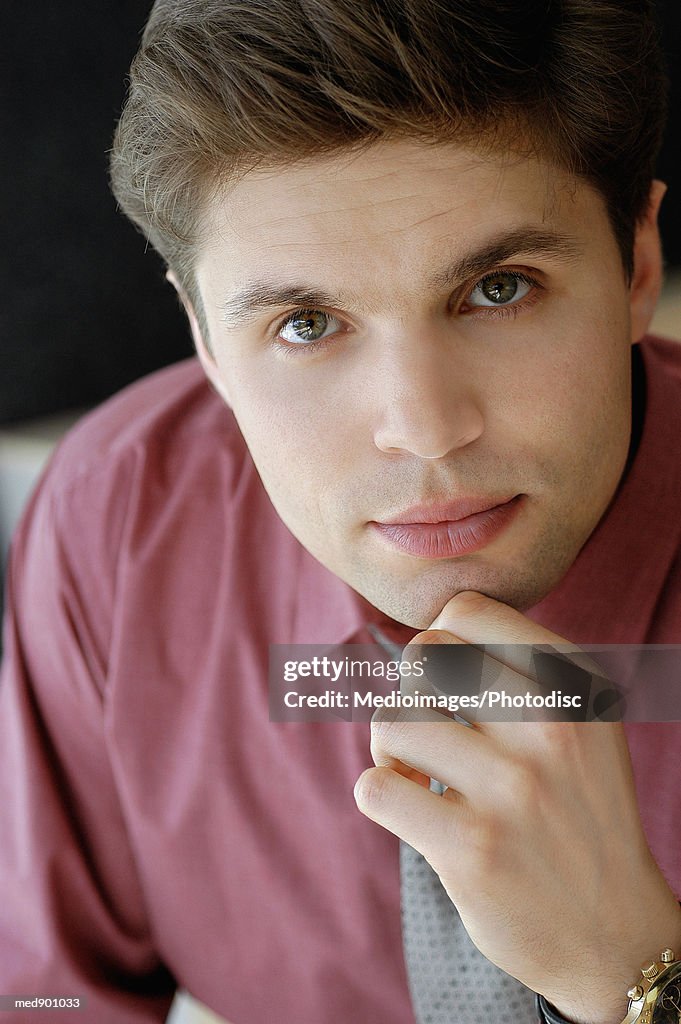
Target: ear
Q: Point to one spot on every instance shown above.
(647, 277)
(206, 357)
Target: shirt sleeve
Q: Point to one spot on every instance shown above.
(73, 922)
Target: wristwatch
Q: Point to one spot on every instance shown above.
(656, 998)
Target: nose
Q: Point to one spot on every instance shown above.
(426, 402)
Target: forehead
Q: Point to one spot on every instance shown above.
(398, 203)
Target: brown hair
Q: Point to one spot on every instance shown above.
(221, 86)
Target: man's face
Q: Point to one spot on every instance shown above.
(407, 329)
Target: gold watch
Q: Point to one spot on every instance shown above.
(656, 998)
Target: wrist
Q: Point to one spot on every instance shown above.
(599, 994)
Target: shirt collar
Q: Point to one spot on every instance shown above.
(330, 612)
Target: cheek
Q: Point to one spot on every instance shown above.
(585, 415)
(592, 391)
(301, 447)
(568, 410)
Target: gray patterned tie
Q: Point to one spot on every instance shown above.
(450, 981)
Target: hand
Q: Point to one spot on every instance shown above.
(537, 840)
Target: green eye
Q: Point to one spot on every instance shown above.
(308, 325)
(500, 289)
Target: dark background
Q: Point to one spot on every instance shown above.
(84, 308)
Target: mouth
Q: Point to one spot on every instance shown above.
(448, 530)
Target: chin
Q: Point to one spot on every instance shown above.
(420, 603)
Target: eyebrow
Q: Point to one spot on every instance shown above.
(247, 304)
(521, 242)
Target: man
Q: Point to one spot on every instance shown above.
(418, 251)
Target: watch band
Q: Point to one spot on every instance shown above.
(548, 1014)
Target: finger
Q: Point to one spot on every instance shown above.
(383, 760)
(478, 619)
(485, 690)
(436, 747)
(535, 653)
(441, 659)
(432, 824)
(455, 672)
(504, 632)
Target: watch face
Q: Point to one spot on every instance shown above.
(668, 1006)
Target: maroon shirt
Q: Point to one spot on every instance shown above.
(156, 829)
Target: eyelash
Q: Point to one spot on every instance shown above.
(479, 312)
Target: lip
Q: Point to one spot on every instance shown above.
(447, 511)
(451, 529)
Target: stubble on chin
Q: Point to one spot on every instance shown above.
(418, 600)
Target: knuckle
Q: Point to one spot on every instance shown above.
(389, 728)
(373, 788)
(556, 739)
(485, 853)
(521, 786)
